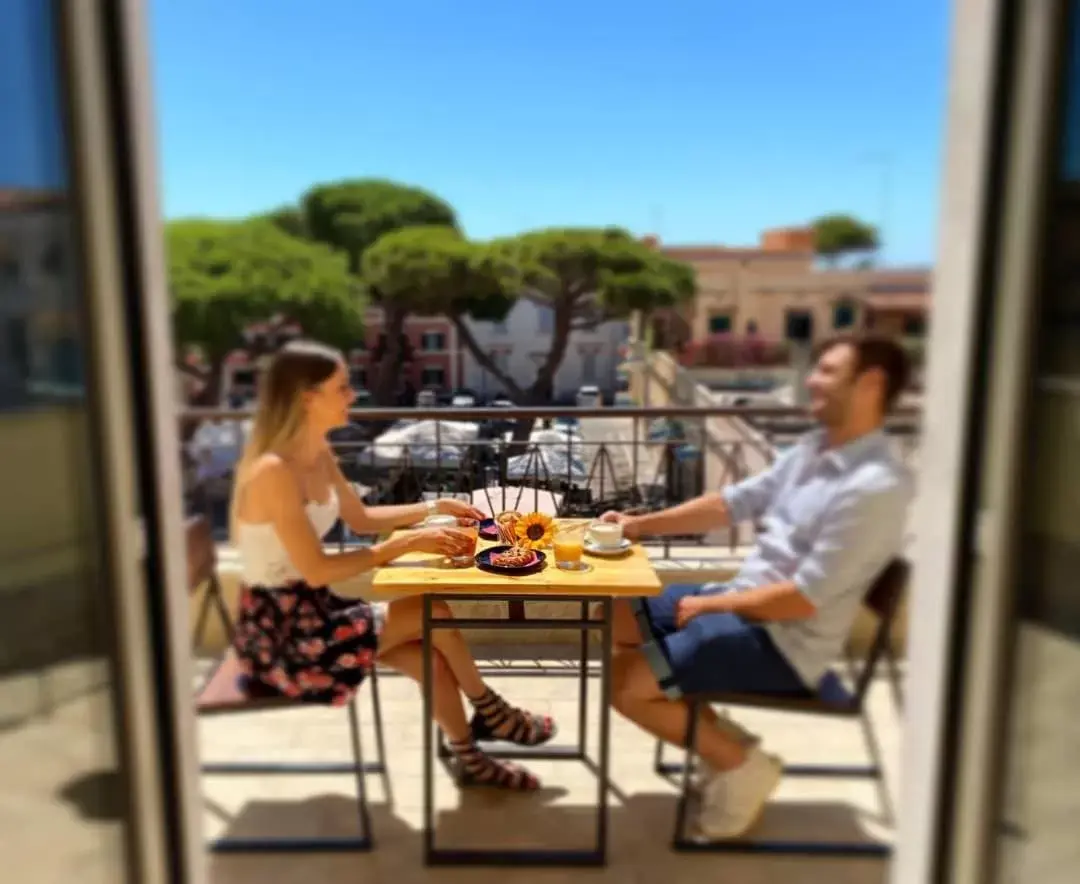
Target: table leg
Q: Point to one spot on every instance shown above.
(583, 688)
(427, 691)
(588, 857)
(603, 773)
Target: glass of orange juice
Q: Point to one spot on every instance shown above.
(568, 545)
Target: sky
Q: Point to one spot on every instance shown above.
(702, 121)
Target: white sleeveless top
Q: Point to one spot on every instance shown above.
(263, 559)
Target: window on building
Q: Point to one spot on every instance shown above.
(545, 320)
(433, 341)
(844, 314)
(433, 376)
(800, 326)
(588, 368)
(915, 326)
(720, 324)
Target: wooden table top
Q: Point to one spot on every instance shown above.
(628, 575)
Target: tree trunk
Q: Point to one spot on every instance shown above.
(484, 359)
(543, 387)
(390, 366)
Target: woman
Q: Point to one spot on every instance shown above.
(296, 637)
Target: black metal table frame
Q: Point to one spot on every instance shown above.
(585, 624)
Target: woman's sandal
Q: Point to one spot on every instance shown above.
(495, 719)
(476, 768)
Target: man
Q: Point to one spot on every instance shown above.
(831, 513)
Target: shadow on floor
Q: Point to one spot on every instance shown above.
(98, 796)
(640, 833)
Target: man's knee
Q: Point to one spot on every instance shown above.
(625, 631)
(632, 681)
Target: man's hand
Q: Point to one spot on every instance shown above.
(629, 526)
(448, 506)
(690, 607)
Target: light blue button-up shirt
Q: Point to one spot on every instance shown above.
(830, 521)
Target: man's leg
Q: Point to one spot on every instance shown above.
(637, 695)
(636, 622)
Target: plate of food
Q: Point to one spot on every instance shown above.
(510, 560)
(489, 530)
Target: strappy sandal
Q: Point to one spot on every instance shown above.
(495, 719)
(476, 768)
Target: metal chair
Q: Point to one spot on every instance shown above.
(832, 699)
(225, 692)
(202, 575)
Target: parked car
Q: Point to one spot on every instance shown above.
(589, 397)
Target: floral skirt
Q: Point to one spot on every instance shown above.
(305, 642)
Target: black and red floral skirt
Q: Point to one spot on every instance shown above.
(305, 642)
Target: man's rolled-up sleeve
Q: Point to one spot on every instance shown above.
(748, 500)
(861, 532)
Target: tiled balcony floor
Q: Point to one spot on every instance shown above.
(642, 804)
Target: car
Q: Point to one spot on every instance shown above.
(589, 397)
(426, 399)
(462, 400)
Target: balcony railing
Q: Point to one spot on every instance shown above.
(587, 461)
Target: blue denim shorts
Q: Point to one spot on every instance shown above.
(715, 653)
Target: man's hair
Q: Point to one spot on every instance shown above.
(876, 352)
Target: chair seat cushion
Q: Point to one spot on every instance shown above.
(832, 698)
(230, 690)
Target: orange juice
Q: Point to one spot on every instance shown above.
(568, 547)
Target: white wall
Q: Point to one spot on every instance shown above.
(524, 340)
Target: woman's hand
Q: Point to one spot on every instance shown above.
(448, 506)
(441, 541)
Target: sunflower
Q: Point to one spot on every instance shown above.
(534, 531)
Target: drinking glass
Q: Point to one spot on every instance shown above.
(467, 556)
(568, 546)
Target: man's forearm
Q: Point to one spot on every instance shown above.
(775, 601)
(705, 513)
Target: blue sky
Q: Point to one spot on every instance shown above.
(702, 120)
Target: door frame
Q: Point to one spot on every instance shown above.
(131, 390)
(1004, 59)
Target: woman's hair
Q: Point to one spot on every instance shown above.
(298, 367)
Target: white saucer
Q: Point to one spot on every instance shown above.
(594, 549)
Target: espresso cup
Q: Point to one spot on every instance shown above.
(606, 535)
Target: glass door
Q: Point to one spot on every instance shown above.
(96, 739)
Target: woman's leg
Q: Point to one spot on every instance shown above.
(447, 708)
(476, 767)
(494, 718)
(404, 625)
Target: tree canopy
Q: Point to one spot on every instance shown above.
(838, 236)
(227, 275)
(351, 215)
(585, 276)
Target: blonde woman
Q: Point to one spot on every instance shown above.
(294, 635)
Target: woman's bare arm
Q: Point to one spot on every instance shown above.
(370, 519)
(273, 490)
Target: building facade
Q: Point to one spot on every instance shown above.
(519, 345)
(779, 291)
(431, 356)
